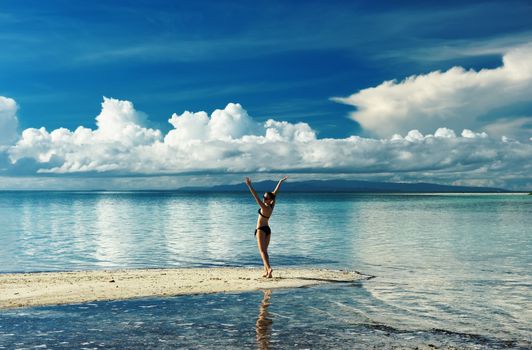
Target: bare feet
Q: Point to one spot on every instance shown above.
(268, 273)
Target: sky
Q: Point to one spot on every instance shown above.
(159, 94)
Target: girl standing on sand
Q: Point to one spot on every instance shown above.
(263, 231)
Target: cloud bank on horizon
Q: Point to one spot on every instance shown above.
(416, 120)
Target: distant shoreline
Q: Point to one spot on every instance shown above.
(296, 192)
(53, 288)
(309, 186)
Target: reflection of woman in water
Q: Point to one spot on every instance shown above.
(263, 231)
(264, 324)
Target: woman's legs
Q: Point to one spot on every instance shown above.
(263, 240)
(270, 270)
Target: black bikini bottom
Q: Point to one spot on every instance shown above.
(265, 229)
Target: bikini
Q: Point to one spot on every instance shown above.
(266, 229)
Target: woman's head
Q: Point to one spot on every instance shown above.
(269, 198)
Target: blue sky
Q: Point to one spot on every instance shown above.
(282, 60)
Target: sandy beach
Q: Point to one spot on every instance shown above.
(51, 288)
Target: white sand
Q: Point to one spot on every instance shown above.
(32, 289)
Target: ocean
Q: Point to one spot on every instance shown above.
(450, 270)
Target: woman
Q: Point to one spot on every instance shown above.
(263, 231)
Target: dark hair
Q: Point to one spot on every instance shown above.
(272, 196)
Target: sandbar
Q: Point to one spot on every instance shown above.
(53, 288)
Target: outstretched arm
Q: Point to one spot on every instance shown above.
(252, 190)
(279, 184)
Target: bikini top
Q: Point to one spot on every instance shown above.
(264, 216)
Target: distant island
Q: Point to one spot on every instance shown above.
(350, 186)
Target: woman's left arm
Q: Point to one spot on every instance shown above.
(279, 185)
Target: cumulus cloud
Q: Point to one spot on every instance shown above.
(231, 141)
(232, 122)
(122, 143)
(120, 130)
(8, 121)
(456, 98)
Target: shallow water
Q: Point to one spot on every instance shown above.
(322, 317)
(451, 270)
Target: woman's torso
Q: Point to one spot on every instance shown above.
(262, 220)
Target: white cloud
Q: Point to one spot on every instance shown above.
(520, 127)
(456, 98)
(120, 122)
(107, 148)
(230, 123)
(230, 141)
(279, 131)
(8, 121)
(121, 142)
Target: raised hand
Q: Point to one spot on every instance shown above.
(248, 181)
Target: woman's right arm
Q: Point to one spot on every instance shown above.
(252, 190)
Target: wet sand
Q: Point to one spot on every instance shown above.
(52, 288)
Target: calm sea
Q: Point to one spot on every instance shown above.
(450, 270)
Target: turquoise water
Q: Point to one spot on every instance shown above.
(450, 270)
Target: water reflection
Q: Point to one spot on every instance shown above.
(113, 240)
(263, 326)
